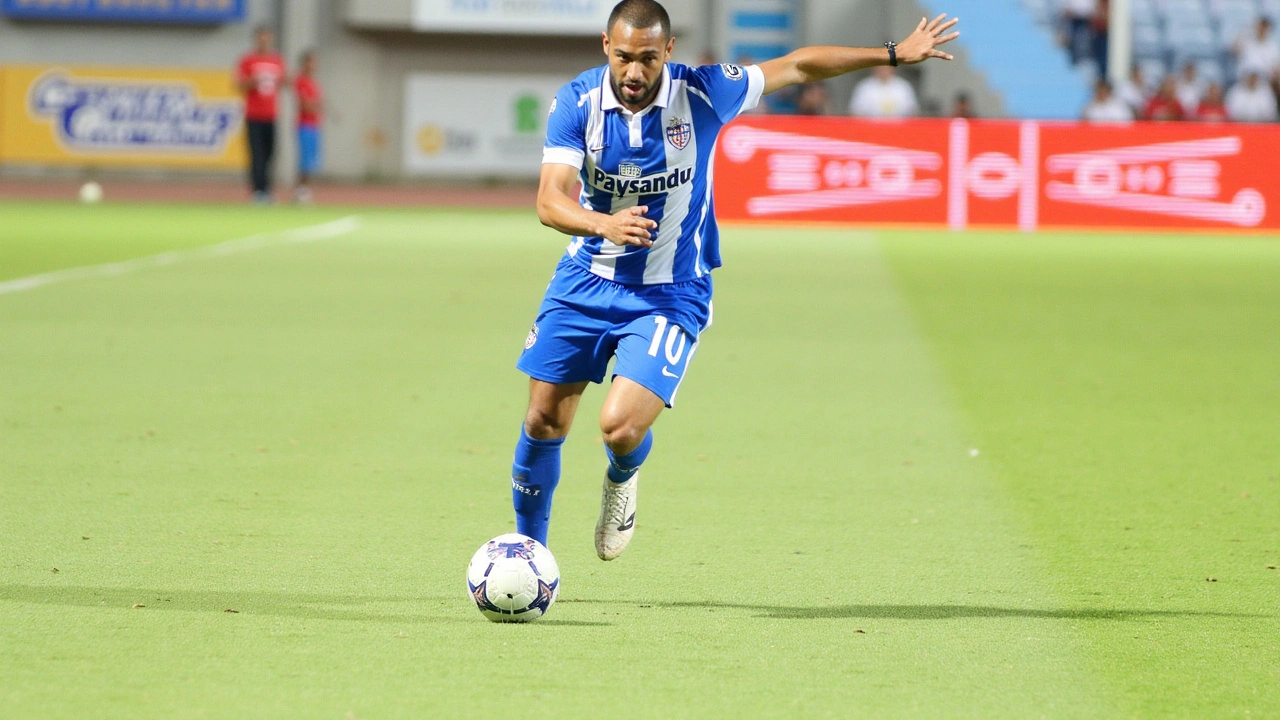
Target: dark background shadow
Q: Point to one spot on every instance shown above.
(358, 607)
(353, 607)
(928, 612)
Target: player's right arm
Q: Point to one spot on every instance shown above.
(812, 64)
(557, 209)
(562, 160)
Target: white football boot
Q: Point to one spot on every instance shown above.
(617, 521)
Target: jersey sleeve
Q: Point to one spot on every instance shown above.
(566, 130)
(731, 89)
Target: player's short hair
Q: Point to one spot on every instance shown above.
(640, 14)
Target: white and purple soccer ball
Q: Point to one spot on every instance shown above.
(513, 578)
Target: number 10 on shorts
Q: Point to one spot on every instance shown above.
(675, 340)
(662, 365)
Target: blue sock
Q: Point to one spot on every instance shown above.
(623, 467)
(534, 476)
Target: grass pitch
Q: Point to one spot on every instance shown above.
(911, 475)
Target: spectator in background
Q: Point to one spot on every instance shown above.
(1251, 100)
(1212, 107)
(1134, 91)
(884, 95)
(813, 100)
(1257, 52)
(962, 106)
(1105, 107)
(260, 75)
(310, 105)
(1165, 106)
(1189, 89)
(1100, 39)
(1078, 17)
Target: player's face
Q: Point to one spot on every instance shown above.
(636, 59)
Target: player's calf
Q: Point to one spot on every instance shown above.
(628, 413)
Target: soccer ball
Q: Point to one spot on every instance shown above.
(513, 578)
(90, 193)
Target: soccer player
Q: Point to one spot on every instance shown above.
(635, 283)
(310, 104)
(260, 74)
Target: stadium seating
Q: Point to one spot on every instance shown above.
(1042, 84)
(1169, 33)
(1191, 42)
(1153, 71)
(1148, 41)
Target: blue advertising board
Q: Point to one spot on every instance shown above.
(185, 12)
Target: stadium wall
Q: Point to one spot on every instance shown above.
(369, 52)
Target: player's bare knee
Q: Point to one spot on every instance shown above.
(542, 425)
(620, 434)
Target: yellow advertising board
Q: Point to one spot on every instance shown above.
(120, 116)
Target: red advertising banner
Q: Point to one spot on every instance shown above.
(993, 173)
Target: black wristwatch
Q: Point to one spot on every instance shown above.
(892, 47)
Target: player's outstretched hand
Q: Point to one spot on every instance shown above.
(630, 227)
(923, 43)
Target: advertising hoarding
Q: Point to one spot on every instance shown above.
(476, 125)
(132, 117)
(185, 12)
(1015, 174)
(523, 17)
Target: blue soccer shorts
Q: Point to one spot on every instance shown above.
(308, 150)
(585, 320)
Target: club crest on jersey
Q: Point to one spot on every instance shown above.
(532, 337)
(621, 186)
(733, 72)
(678, 132)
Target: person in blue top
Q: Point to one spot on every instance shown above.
(639, 134)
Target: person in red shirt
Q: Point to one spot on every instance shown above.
(310, 105)
(1213, 108)
(260, 75)
(1165, 105)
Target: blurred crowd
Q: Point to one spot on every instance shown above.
(1253, 96)
(1243, 87)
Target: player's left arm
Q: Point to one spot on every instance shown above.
(811, 64)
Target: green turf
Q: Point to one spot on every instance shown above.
(40, 237)
(318, 436)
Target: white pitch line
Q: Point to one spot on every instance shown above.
(310, 233)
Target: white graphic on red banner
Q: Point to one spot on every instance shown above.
(823, 173)
(1178, 179)
(994, 176)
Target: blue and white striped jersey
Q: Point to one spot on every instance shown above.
(661, 157)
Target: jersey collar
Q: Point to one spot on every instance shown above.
(609, 101)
